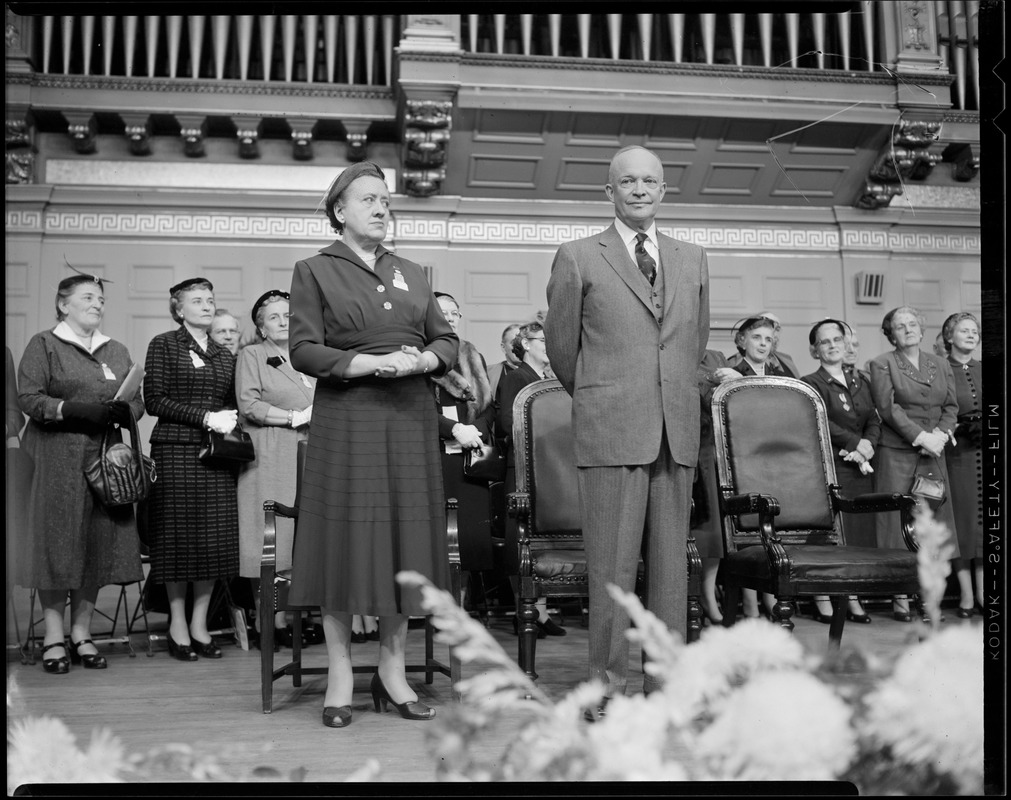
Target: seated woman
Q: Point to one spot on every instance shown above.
(854, 428)
(914, 393)
(706, 526)
(755, 338)
(529, 346)
(464, 399)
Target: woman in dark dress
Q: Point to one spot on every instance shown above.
(707, 526)
(854, 429)
(965, 461)
(466, 418)
(192, 512)
(72, 542)
(366, 325)
(528, 345)
(914, 393)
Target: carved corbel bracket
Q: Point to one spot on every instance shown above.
(247, 132)
(82, 128)
(137, 128)
(877, 195)
(301, 138)
(423, 182)
(964, 163)
(907, 156)
(192, 130)
(20, 153)
(426, 135)
(357, 138)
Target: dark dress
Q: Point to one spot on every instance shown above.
(851, 417)
(706, 524)
(193, 518)
(910, 401)
(71, 540)
(473, 499)
(965, 460)
(372, 501)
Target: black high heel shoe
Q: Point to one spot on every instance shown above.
(550, 628)
(817, 616)
(206, 649)
(864, 618)
(415, 710)
(183, 652)
(965, 613)
(94, 661)
(55, 666)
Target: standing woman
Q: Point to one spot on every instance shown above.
(193, 520)
(965, 465)
(72, 543)
(366, 324)
(275, 405)
(914, 393)
(854, 429)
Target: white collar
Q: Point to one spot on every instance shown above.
(66, 333)
(628, 234)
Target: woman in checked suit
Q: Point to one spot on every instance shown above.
(194, 523)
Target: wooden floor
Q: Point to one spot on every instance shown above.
(215, 705)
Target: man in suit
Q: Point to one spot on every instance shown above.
(627, 325)
(511, 362)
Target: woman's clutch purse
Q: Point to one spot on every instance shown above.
(484, 463)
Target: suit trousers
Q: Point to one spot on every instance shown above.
(628, 511)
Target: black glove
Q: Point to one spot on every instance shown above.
(119, 412)
(96, 414)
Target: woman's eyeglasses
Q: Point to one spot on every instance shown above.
(534, 338)
(453, 314)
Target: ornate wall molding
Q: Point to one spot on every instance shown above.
(496, 233)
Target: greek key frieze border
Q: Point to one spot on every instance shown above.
(500, 232)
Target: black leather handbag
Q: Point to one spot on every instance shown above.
(484, 463)
(927, 484)
(121, 474)
(227, 449)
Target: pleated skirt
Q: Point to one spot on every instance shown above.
(372, 501)
(193, 518)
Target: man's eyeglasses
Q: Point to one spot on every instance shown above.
(454, 314)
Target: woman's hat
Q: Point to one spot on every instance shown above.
(186, 284)
(263, 299)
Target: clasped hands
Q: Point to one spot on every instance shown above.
(408, 361)
(932, 443)
(861, 454)
(223, 421)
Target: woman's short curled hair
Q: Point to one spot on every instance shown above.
(524, 332)
(948, 328)
(812, 336)
(261, 309)
(176, 297)
(886, 323)
(65, 289)
(348, 176)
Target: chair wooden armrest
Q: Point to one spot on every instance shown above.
(751, 503)
(881, 501)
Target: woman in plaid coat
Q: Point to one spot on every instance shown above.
(193, 513)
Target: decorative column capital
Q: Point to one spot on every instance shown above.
(301, 138)
(20, 152)
(247, 132)
(911, 35)
(82, 129)
(192, 130)
(430, 32)
(137, 128)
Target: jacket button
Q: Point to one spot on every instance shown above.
(661, 347)
(387, 305)
(380, 288)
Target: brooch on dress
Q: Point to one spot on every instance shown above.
(275, 361)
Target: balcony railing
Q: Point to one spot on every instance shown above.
(846, 41)
(326, 48)
(353, 49)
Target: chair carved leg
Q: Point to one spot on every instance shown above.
(268, 604)
(527, 615)
(783, 611)
(732, 597)
(694, 618)
(835, 629)
(296, 645)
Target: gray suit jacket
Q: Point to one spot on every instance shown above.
(629, 376)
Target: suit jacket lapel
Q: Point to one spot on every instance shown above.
(670, 263)
(614, 252)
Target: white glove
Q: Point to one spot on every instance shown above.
(222, 421)
(467, 435)
(300, 418)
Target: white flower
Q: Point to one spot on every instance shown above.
(43, 750)
(779, 726)
(933, 559)
(930, 711)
